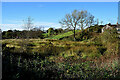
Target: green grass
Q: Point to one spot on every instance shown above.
(62, 35)
(45, 35)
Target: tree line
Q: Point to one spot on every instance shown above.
(33, 33)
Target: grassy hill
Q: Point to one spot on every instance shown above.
(62, 35)
(85, 35)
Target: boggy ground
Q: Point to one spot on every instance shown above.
(35, 59)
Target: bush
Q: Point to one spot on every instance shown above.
(109, 36)
(91, 52)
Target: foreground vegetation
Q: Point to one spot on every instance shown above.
(33, 59)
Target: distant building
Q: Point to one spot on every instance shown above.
(111, 26)
(118, 28)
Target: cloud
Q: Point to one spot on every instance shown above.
(6, 27)
(46, 25)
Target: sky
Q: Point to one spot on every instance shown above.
(49, 14)
(60, 0)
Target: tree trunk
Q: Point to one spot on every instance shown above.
(74, 34)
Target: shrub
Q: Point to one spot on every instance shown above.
(109, 36)
(91, 52)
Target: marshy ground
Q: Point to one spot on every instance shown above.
(59, 59)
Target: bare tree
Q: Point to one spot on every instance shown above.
(97, 21)
(90, 21)
(77, 19)
(28, 25)
(101, 22)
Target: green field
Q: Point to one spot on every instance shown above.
(62, 35)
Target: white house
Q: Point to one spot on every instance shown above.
(118, 28)
(111, 26)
